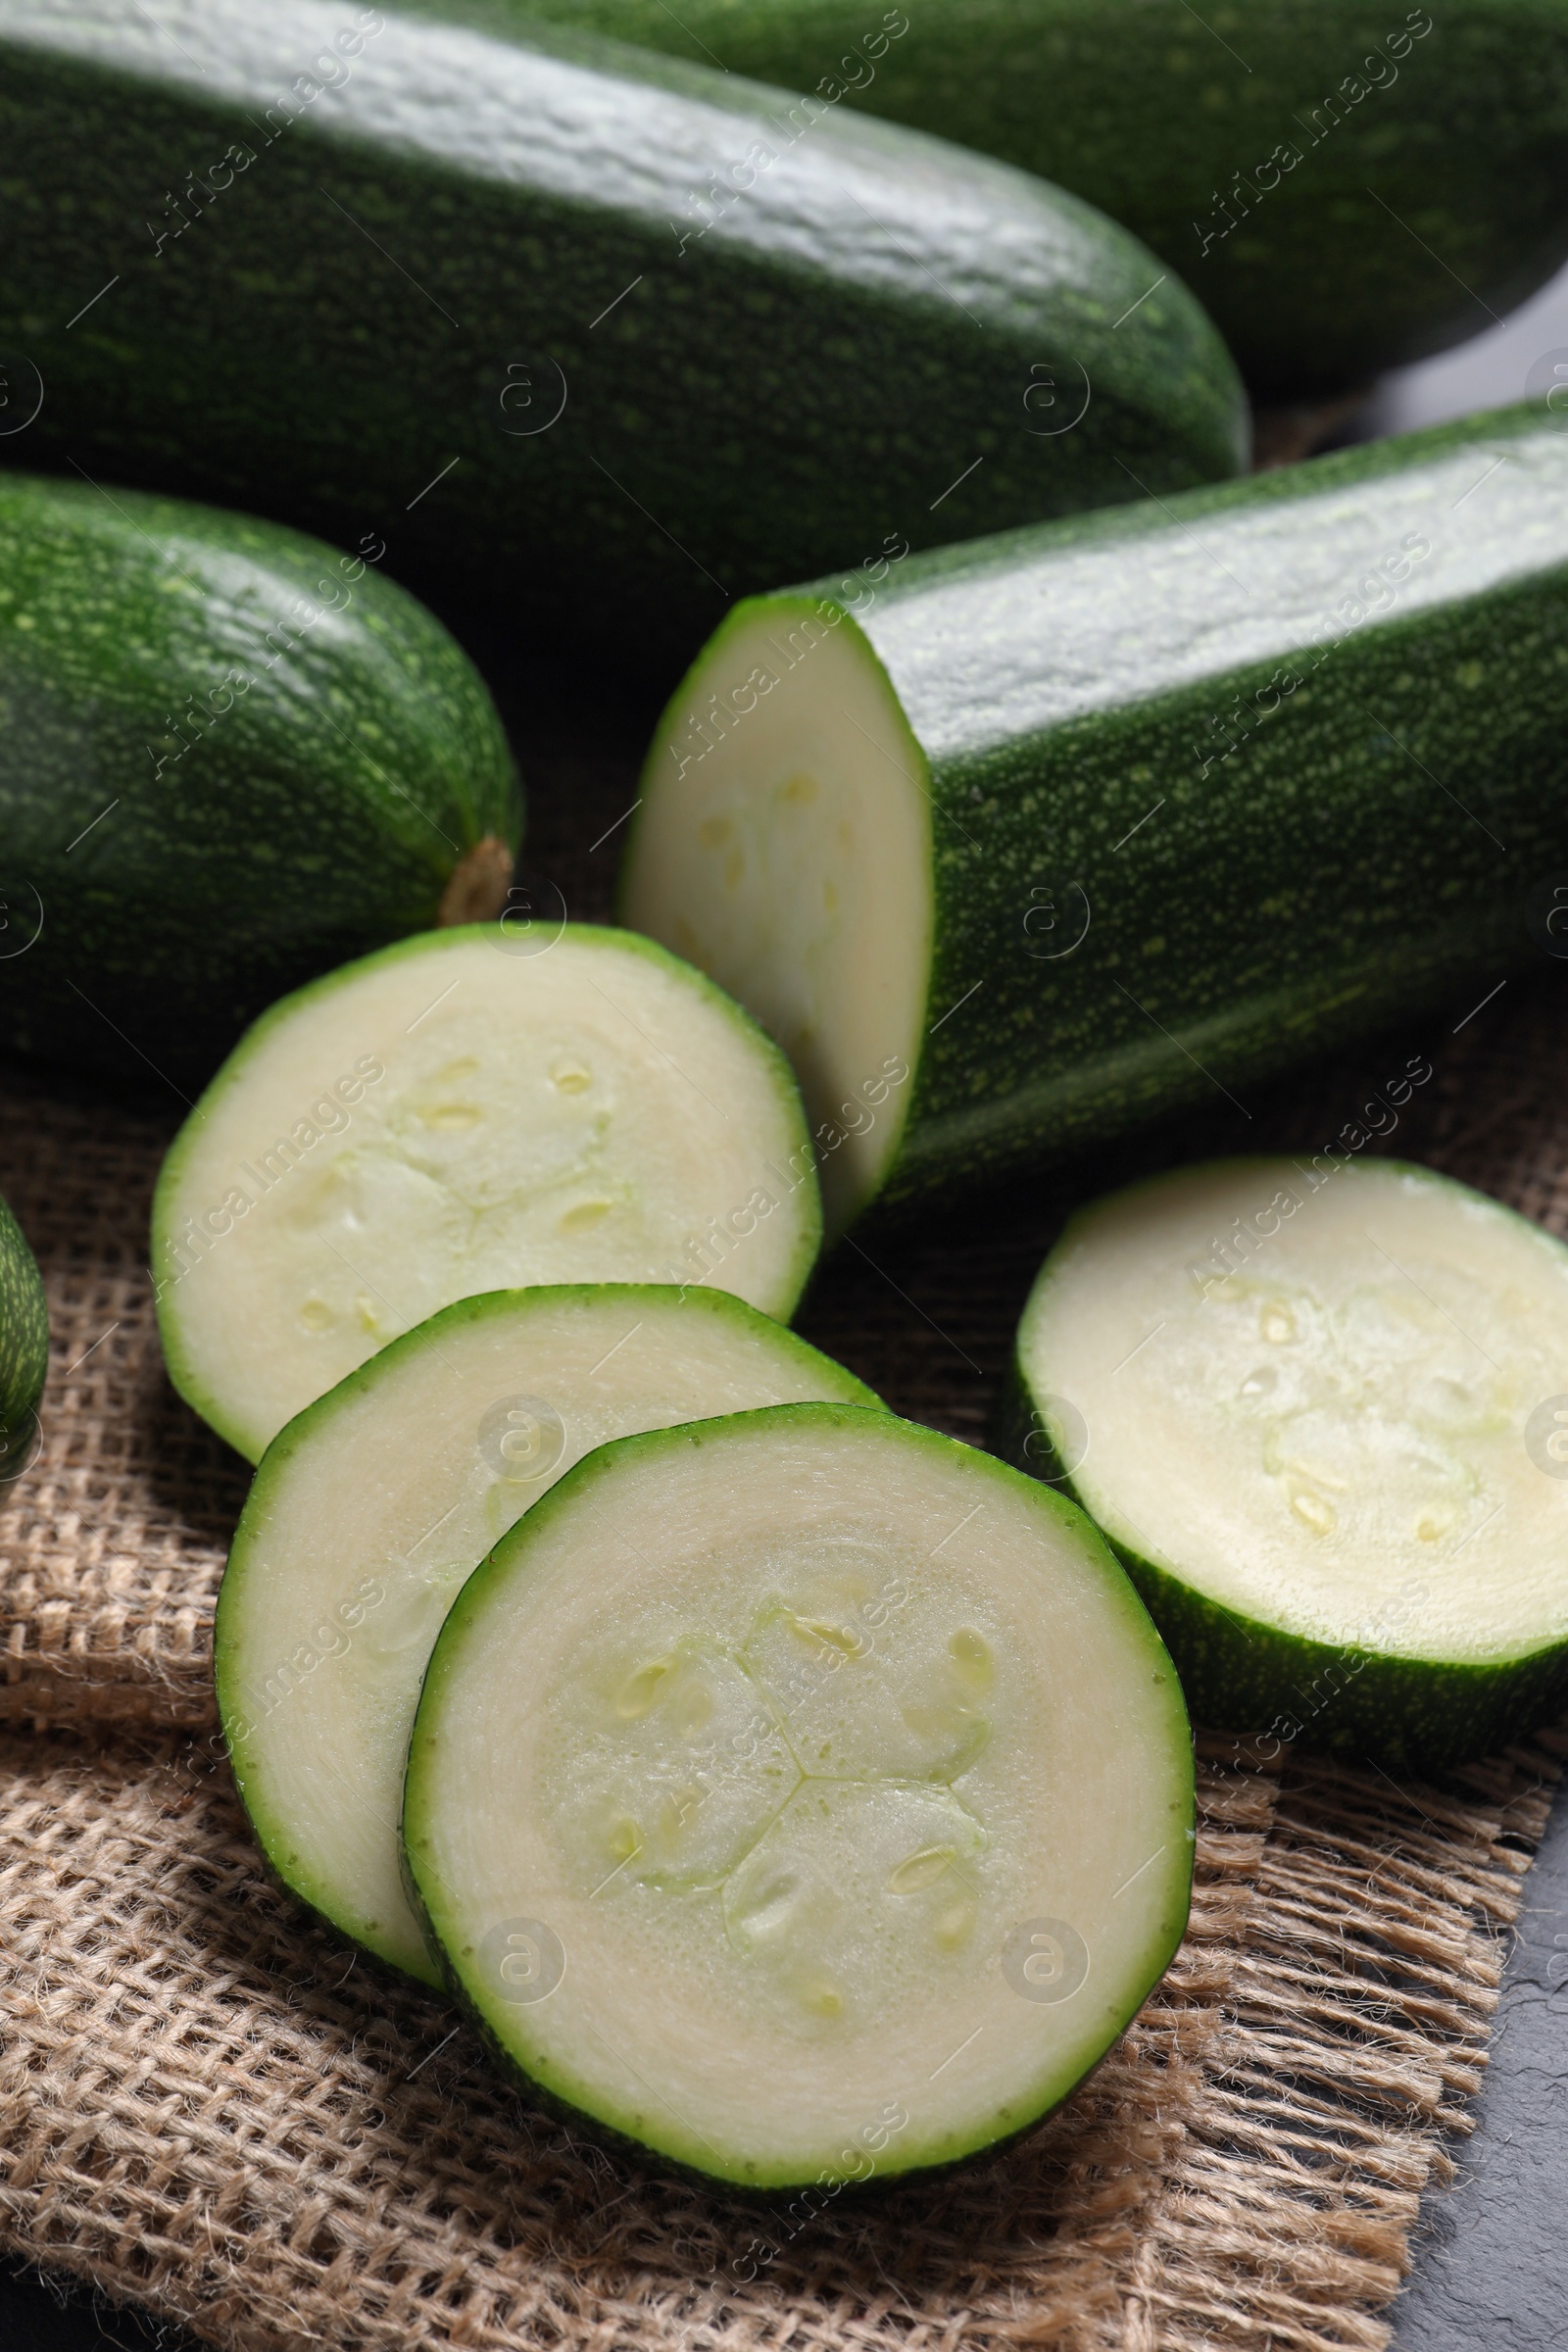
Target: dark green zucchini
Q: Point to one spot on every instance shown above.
(23, 1349)
(1344, 187)
(231, 758)
(625, 335)
(1030, 841)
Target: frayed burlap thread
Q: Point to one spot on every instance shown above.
(210, 2106)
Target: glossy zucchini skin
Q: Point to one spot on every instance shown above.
(24, 1347)
(1344, 187)
(473, 295)
(1220, 782)
(231, 758)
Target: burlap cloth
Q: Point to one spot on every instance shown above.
(208, 2105)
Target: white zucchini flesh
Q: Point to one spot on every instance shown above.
(787, 852)
(1306, 1392)
(370, 1509)
(457, 1114)
(802, 1796)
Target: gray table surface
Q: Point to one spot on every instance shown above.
(1491, 2272)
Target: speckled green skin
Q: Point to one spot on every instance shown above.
(1164, 116)
(24, 1343)
(1240, 1675)
(850, 336)
(1320, 880)
(306, 816)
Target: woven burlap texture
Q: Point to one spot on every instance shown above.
(210, 2106)
(111, 1545)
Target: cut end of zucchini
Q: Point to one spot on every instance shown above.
(470, 1110)
(802, 1796)
(784, 847)
(371, 1508)
(1314, 1400)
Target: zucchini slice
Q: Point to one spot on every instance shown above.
(1025, 842)
(373, 1505)
(802, 1795)
(1321, 1410)
(470, 1110)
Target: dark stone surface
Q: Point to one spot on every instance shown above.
(1491, 2270)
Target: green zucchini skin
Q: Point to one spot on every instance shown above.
(1107, 718)
(443, 237)
(1314, 169)
(24, 1345)
(233, 759)
(1240, 1675)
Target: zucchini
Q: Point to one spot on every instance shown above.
(23, 1349)
(553, 313)
(233, 757)
(473, 1109)
(1320, 1407)
(801, 1795)
(371, 1507)
(1343, 191)
(1073, 825)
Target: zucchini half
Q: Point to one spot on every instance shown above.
(1036, 839)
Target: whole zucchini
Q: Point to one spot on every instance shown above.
(231, 758)
(1344, 187)
(23, 1349)
(1073, 825)
(625, 335)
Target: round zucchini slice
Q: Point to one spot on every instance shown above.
(472, 1109)
(1321, 1410)
(802, 1795)
(371, 1507)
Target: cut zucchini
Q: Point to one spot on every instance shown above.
(801, 1795)
(470, 1110)
(371, 1507)
(1022, 842)
(1321, 1410)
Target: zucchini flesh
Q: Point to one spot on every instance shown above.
(474, 1109)
(373, 1505)
(1318, 1407)
(1343, 194)
(502, 226)
(802, 1795)
(232, 758)
(1074, 825)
